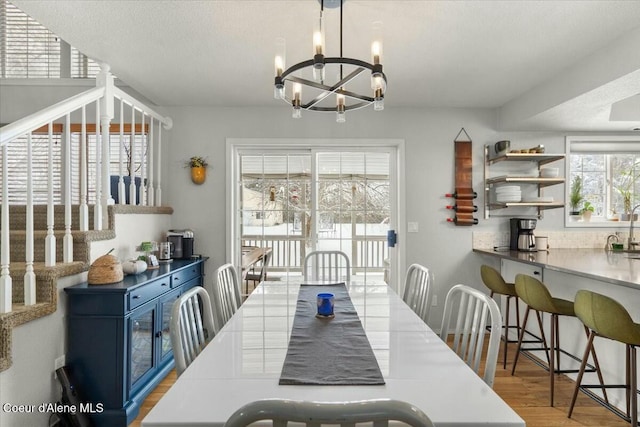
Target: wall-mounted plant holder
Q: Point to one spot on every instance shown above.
(198, 167)
(198, 174)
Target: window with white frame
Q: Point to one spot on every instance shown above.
(609, 171)
(29, 50)
(17, 155)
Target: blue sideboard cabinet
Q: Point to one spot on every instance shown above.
(118, 342)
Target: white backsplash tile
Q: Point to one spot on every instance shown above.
(557, 239)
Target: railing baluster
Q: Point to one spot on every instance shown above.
(97, 209)
(50, 240)
(143, 169)
(132, 159)
(84, 207)
(122, 191)
(67, 241)
(5, 276)
(159, 188)
(150, 190)
(29, 275)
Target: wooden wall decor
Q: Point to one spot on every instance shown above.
(463, 194)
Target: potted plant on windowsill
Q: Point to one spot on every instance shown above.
(575, 198)
(624, 185)
(587, 211)
(198, 167)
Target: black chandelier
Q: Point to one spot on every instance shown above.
(347, 70)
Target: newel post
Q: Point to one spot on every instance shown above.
(105, 79)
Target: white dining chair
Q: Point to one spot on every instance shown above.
(474, 308)
(191, 326)
(327, 265)
(377, 411)
(226, 293)
(417, 290)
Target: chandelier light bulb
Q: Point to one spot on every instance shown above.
(317, 43)
(279, 65)
(340, 115)
(297, 94)
(376, 51)
(376, 45)
(318, 37)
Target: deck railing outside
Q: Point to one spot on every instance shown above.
(288, 252)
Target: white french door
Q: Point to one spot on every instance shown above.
(321, 197)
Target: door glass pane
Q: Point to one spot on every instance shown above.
(141, 344)
(354, 208)
(275, 194)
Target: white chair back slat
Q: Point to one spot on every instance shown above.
(476, 310)
(346, 414)
(192, 326)
(327, 266)
(226, 293)
(417, 290)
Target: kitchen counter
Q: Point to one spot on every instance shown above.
(612, 267)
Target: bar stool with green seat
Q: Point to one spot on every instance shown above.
(607, 318)
(496, 283)
(537, 297)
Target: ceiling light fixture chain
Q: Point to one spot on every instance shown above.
(293, 79)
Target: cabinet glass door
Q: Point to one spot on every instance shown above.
(166, 304)
(142, 338)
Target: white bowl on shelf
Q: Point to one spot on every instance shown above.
(541, 199)
(549, 172)
(508, 189)
(508, 198)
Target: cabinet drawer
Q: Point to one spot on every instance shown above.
(183, 276)
(148, 292)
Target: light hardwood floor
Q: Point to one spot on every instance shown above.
(527, 392)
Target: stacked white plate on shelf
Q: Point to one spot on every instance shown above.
(508, 193)
(541, 199)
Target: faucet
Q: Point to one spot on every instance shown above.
(608, 246)
(632, 243)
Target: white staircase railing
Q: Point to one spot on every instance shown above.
(102, 100)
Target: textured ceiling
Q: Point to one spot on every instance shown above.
(436, 53)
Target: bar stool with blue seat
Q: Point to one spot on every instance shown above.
(496, 283)
(537, 297)
(607, 318)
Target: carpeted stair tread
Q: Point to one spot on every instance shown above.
(47, 277)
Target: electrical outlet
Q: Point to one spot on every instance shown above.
(434, 301)
(58, 363)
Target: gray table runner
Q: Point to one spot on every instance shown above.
(328, 351)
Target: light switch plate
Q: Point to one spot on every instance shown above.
(412, 227)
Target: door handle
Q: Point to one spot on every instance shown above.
(392, 238)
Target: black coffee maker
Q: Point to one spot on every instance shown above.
(522, 238)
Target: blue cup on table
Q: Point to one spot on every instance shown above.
(325, 304)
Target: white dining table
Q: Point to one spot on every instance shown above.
(244, 361)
